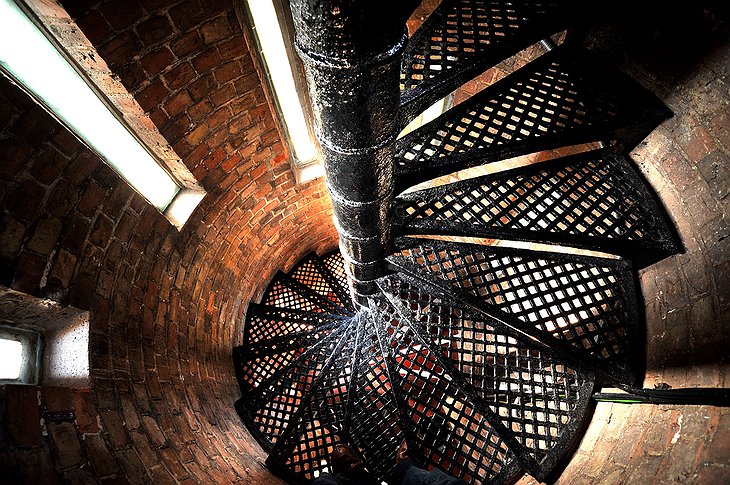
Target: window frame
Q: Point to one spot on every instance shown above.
(75, 49)
(304, 170)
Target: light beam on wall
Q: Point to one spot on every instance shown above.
(33, 61)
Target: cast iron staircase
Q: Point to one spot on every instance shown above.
(490, 324)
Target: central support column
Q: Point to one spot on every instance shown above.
(352, 54)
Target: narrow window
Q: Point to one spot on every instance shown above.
(32, 58)
(270, 26)
(18, 356)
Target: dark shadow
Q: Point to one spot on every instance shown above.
(664, 40)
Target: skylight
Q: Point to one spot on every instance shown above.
(266, 25)
(32, 60)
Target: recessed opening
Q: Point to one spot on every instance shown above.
(42, 342)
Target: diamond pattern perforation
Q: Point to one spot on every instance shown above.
(535, 396)
(265, 323)
(375, 422)
(463, 37)
(257, 364)
(450, 433)
(336, 265)
(321, 423)
(589, 200)
(280, 295)
(308, 274)
(586, 301)
(272, 406)
(564, 97)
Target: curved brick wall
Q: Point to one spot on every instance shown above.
(166, 306)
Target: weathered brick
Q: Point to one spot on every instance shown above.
(24, 420)
(45, 235)
(154, 29)
(157, 61)
(179, 76)
(66, 444)
(215, 30)
(114, 428)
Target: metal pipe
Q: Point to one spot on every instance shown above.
(352, 54)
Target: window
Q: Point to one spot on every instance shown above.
(34, 59)
(18, 356)
(42, 342)
(271, 35)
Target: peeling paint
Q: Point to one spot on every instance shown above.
(675, 438)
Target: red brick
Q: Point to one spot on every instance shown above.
(101, 458)
(101, 231)
(114, 427)
(177, 129)
(157, 61)
(23, 202)
(94, 26)
(62, 198)
(199, 111)
(178, 103)
(186, 44)
(48, 165)
(187, 14)
(24, 420)
(154, 29)
(152, 95)
(28, 273)
(12, 234)
(227, 72)
(119, 50)
(66, 444)
(121, 15)
(179, 76)
(198, 135)
(201, 86)
(215, 30)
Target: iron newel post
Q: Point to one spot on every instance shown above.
(352, 54)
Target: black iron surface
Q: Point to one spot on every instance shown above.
(594, 200)
(463, 38)
(481, 358)
(563, 98)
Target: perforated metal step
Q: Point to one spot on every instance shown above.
(563, 98)
(554, 298)
(535, 401)
(469, 396)
(595, 200)
(314, 273)
(462, 38)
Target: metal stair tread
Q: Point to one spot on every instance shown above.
(594, 200)
(501, 372)
(581, 305)
(462, 38)
(565, 97)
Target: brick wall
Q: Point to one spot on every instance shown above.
(166, 306)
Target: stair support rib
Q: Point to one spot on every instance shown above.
(352, 55)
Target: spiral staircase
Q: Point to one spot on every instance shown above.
(507, 295)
